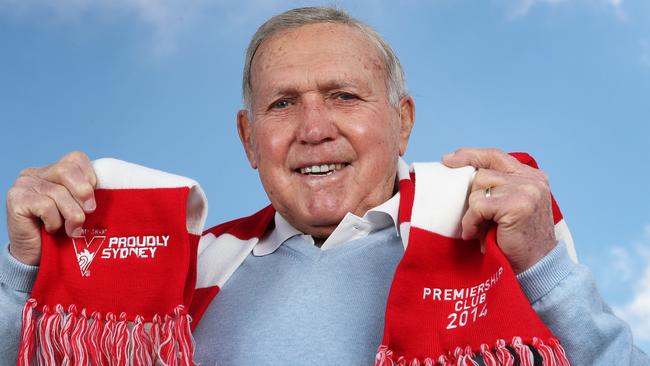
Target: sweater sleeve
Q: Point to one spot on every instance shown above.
(565, 296)
(16, 281)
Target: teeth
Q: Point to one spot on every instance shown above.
(321, 169)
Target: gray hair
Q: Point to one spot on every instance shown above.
(294, 18)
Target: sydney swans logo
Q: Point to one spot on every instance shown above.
(86, 247)
(91, 241)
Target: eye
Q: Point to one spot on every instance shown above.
(345, 96)
(280, 104)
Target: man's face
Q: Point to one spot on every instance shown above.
(322, 132)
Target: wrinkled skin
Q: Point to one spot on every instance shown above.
(320, 97)
(519, 203)
(56, 195)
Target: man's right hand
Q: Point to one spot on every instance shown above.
(56, 195)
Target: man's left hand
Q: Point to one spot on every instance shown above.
(519, 202)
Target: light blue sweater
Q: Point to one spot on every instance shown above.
(302, 305)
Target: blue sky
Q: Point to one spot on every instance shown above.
(158, 83)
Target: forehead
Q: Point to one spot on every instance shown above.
(318, 52)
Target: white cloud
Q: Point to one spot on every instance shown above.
(636, 261)
(164, 20)
(621, 259)
(637, 311)
(520, 8)
(523, 7)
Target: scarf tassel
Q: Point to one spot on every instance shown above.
(121, 339)
(58, 337)
(517, 352)
(78, 342)
(47, 353)
(156, 332)
(524, 353)
(107, 340)
(504, 356)
(489, 359)
(94, 341)
(168, 348)
(27, 334)
(142, 350)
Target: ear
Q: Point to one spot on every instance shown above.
(407, 119)
(244, 128)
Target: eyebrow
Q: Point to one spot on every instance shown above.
(331, 85)
(322, 87)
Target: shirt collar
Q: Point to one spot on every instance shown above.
(282, 232)
(350, 228)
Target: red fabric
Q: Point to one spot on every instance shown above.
(253, 226)
(406, 192)
(245, 228)
(202, 299)
(447, 294)
(135, 262)
(153, 280)
(448, 301)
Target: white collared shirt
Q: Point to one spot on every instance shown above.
(352, 227)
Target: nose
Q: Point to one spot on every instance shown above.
(317, 123)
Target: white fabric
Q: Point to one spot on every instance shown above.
(218, 258)
(352, 227)
(118, 174)
(562, 233)
(441, 203)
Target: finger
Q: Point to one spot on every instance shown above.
(487, 178)
(70, 175)
(81, 159)
(536, 173)
(68, 207)
(479, 214)
(482, 158)
(471, 224)
(34, 205)
(474, 225)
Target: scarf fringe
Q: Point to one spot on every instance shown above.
(94, 339)
(517, 352)
(57, 337)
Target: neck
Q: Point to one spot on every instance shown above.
(319, 241)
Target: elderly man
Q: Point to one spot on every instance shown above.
(327, 116)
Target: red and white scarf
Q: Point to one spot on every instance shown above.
(448, 302)
(118, 294)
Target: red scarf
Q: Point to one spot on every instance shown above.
(448, 304)
(135, 263)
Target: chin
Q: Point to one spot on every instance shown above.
(324, 217)
(323, 220)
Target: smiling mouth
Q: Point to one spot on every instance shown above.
(321, 169)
